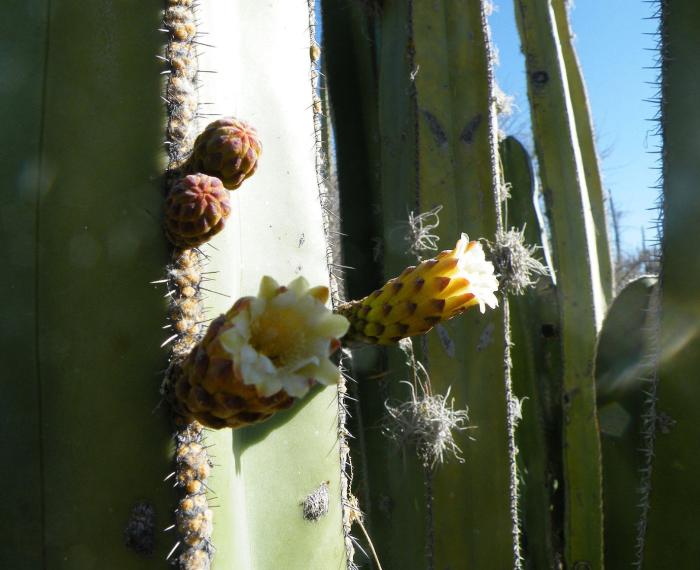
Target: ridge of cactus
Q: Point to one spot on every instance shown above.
(195, 210)
(22, 117)
(330, 204)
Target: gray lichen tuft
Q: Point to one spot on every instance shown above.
(426, 421)
(516, 265)
(419, 236)
(315, 505)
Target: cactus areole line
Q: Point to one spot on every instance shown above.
(424, 295)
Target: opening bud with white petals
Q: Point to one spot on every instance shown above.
(424, 295)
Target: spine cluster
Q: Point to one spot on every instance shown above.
(193, 517)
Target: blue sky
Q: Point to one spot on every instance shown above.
(614, 48)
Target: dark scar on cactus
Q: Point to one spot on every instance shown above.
(469, 130)
(435, 128)
(139, 532)
(539, 77)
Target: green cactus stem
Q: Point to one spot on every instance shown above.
(84, 131)
(536, 377)
(434, 123)
(263, 473)
(673, 519)
(576, 264)
(586, 140)
(624, 364)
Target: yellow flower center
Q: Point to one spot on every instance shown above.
(279, 334)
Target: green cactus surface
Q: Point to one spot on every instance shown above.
(624, 364)
(586, 140)
(536, 376)
(80, 337)
(581, 296)
(673, 520)
(436, 142)
(264, 473)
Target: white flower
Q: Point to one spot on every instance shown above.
(282, 339)
(472, 265)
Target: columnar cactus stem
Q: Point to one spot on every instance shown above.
(536, 376)
(81, 327)
(624, 370)
(432, 139)
(586, 139)
(576, 265)
(262, 473)
(672, 527)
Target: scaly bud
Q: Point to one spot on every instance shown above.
(228, 149)
(195, 210)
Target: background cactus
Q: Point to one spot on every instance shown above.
(537, 378)
(80, 338)
(491, 456)
(577, 271)
(434, 146)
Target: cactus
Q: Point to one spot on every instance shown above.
(537, 378)
(586, 140)
(623, 367)
(576, 264)
(87, 324)
(436, 148)
(442, 478)
(82, 349)
(668, 528)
